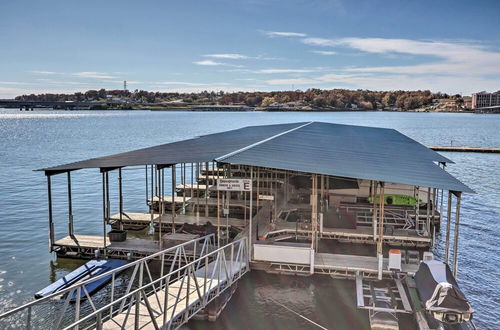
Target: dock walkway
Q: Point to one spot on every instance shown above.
(84, 246)
(170, 304)
(350, 264)
(141, 220)
(362, 234)
(465, 149)
(158, 292)
(340, 266)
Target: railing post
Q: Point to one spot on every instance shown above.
(137, 309)
(28, 321)
(231, 263)
(112, 293)
(165, 300)
(77, 305)
(188, 272)
(98, 321)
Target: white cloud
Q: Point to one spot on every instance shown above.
(449, 58)
(12, 83)
(215, 63)
(43, 72)
(94, 75)
(445, 57)
(272, 71)
(322, 42)
(323, 52)
(284, 34)
(228, 56)
(449, 84)
(61, 82)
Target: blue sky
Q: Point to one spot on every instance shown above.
(68, 46)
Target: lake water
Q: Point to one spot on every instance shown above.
(31, 140)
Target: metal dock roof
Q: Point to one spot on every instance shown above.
(312, 147)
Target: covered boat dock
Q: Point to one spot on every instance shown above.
(314, 187)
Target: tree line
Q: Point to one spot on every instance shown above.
(316, 98)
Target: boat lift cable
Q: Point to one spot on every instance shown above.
(300, 315)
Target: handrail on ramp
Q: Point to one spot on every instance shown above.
(190, 275)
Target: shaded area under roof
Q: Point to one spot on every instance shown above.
(324, 148)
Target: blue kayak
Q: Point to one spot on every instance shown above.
(91, 269)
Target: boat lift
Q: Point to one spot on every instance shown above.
(383, 300)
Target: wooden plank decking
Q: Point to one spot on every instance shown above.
(97, 242)
(166, 219)
(465, 149)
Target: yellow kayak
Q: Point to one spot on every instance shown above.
(393, 199)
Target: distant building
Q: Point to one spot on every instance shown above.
(467, 102)
(484, 99)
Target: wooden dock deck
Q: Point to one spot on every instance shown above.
(192, 190)
(84, 246)
(141, 220)
(201, 201)
(465, 149)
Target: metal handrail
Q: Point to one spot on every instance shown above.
(240, 257)
(206, 239)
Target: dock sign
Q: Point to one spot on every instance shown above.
(234, 184)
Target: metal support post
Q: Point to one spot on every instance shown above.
(120, 192)
(448, 228)
(70, 208)
(104, 212)
(380, 253)
(173, 198)
(250, 220)
(457, 226)
(51, 218)
(206, 185)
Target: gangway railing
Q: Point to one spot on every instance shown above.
(171, 300)
(75, 308)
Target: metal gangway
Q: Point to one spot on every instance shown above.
(163, 290)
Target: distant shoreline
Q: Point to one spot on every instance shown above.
(227, 109)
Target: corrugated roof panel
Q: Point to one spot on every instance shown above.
(350, 151)
(325, 148)
(201, 149)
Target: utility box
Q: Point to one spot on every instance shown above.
(394, 260)
(428, 256)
